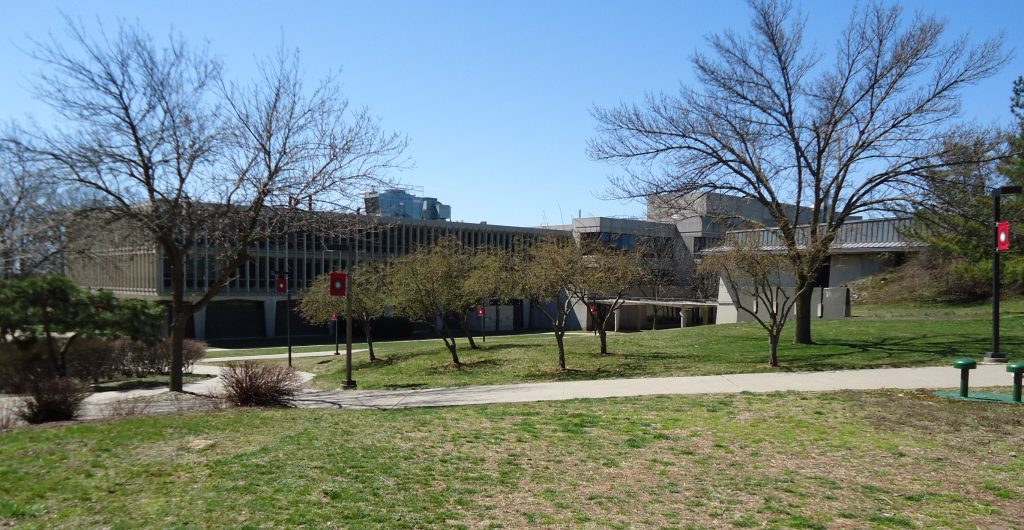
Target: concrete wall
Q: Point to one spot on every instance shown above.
(711, 214)
(846, 268)
(539, 320)
(829, 303)
(496, 318)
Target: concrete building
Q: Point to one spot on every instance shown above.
(249, 306)
(675, 233)
(861, 248)
(702, 219)
(665, 302)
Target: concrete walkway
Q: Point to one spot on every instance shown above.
(903, 378)
(102, 404)
(106, 404)
(205, 387)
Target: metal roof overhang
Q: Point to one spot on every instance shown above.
(664, 303)
(843, 248)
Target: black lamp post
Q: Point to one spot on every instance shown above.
(288, 309)
(349, 383)
(996, 356)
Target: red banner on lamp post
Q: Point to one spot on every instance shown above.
(339, 283)
(282, 284)
(1003, 236)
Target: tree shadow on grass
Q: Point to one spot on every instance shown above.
(904, 351)
(576, 374)
(467, 366)
(505, 346)
(404, 386)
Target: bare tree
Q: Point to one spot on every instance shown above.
(778, 123)
(611, 275)
(183, 156)
(34, 214)
(550, 272)
(757, 281)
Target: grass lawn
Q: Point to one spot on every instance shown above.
(850, 459)
(982, 310)
(240, 352)
(880, 336)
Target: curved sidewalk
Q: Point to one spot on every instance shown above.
(900, 378)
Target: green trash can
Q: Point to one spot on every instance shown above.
(965, 365)
(1017, 369)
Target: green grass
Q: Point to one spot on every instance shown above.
(977, 310)
(849, 459)
(886, 336)
(279, 349)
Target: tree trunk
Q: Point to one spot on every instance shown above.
(368, 329)
(64, 355)
(449, 341)
(180, 316)
(803, 310)
(561, 349)
(773, 348)
(455, 354)
(601, 325)
(177, 347)
(469, 334)
(56, 360)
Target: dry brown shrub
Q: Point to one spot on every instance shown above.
(260, 385)
(57, 399)
(127, 408)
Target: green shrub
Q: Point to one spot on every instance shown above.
(20, 362)
(94, 360)
(140, 359)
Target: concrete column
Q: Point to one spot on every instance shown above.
(269, 316)
(617, 313)
(199, 323)
(682, 317)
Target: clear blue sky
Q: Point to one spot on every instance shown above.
(494, 97)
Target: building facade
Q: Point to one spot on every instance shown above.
(674, 236)
(248, 306)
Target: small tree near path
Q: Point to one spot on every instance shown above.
(760, 277)
(368, 282)
(429, 285)
(611, 274)
(551, 271)
(491, 276)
